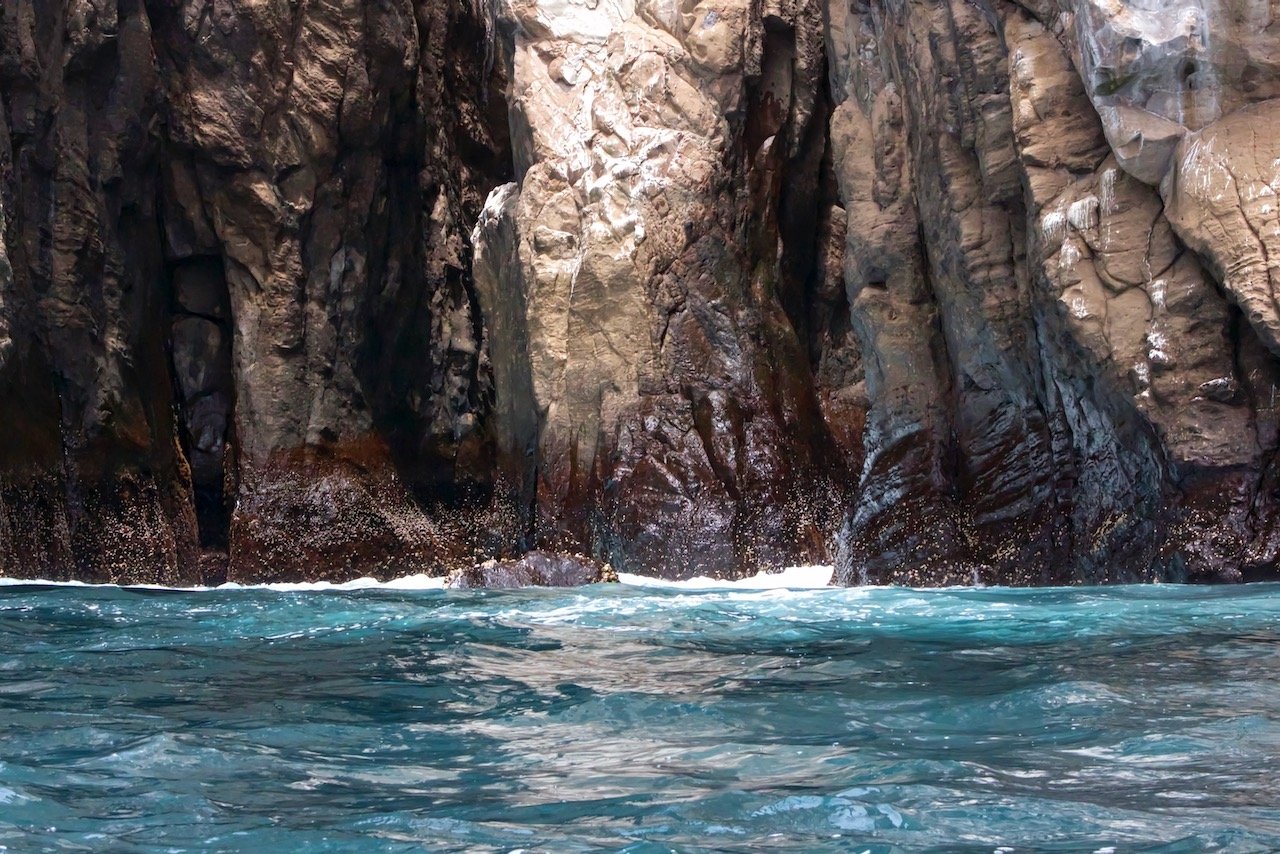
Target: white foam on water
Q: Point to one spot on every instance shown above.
(408, 582)
(41, 582)
(791, 578)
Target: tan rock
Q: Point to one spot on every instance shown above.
(1221, 197)
(630, 291)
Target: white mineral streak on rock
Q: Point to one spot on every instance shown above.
(1053, 225)
(1069, 256)
(588, 20)
(1157, 290)
(1083, 213)
(1159, 347)
(1107, 195)
(495, 205)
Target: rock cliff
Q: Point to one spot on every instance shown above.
(941, 291)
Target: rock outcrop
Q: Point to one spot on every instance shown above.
(647, 274)
(93, 483)
(942, 291)
(241, 272)
(535, 569)
(1062, 391)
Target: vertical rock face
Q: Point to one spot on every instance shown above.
(943, 291)
(92, 482)
(308, 176)
(240, 268)
(1094, 408)
(650, 278)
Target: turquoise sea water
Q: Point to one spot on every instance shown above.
(637, 719)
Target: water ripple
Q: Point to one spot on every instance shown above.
(404, 718)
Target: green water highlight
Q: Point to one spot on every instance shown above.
(640, 719)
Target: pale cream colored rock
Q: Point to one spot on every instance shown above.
(1221, 196)
(1156, 69)
(619, 134)
(574, 20)
(713, 34)
(1048, 101)
(1143, 142)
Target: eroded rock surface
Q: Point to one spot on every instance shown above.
(940, 290)
(1090, 410)
(1222, 197)
(536, 569)
(242, 276)
(93, 484)
(647, 279)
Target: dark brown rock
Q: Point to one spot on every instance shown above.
(92, 482)
(536, 569)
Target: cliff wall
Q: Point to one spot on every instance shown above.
(940, 291)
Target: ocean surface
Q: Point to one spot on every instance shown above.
(639, 718)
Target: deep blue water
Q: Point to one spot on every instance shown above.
(620, 718)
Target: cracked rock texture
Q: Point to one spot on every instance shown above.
(651, 268)
(941, 291)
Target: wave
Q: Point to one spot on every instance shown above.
(790, 578)
(408, 582)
